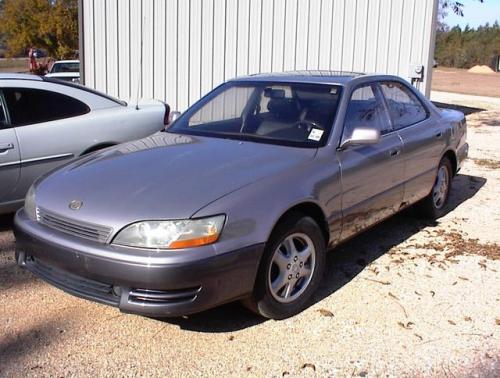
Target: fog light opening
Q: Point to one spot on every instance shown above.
(117, 290)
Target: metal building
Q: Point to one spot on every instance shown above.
(178, 50)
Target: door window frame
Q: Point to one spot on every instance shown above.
(3, 103)
(415, 95)
(7, 110)
(377, 92)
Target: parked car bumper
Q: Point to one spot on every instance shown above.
(148, 287)
(462, 154)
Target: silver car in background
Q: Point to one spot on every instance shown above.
(242, 196)
(45, 123)
(66, 70)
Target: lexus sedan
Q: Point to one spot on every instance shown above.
(242, 196)
(44, 123)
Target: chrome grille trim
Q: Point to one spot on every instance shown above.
(73, 227)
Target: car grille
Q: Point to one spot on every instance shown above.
(80, 229)
(72, 283)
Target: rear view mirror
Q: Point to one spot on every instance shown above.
(361, 136)
(274, 93)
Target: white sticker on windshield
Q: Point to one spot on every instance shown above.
(316, 135)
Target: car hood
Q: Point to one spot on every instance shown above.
(165, 176)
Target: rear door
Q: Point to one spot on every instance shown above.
(44, 124)
(423, 139)
(9, 155)
(372, 175)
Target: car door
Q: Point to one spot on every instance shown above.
(41, 120)
(9, 155)
(423, 139)
(372, 175)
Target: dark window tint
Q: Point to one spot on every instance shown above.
(29, 106)
(366, 111)
(65, 67)
(405, 108)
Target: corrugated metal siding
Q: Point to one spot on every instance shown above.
(187, 47)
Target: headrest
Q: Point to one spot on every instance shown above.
(283, 108)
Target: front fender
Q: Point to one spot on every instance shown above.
(253, 211)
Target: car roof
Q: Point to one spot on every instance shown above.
(312, 76)
(16, 76)
(66, 84)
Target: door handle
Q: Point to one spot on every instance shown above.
(439, 135)
(6, 146)
(394, 153)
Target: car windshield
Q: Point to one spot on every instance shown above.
(292, 114)
(65, 67)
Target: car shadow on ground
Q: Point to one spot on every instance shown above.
(10, 274)
(343, 264)
(464, 109)
(6, 222)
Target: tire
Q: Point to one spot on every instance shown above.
(434, 205)
(283, 287)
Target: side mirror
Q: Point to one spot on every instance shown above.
(173, 116)
(361, 136)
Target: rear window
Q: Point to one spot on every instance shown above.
(29, 106)
(65, 67)
(405, 108)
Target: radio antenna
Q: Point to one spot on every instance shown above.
(140, 64)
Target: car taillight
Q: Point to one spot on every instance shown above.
(167, 114)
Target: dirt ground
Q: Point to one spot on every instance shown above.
(14, 65)
(460, 81)
(408, 298)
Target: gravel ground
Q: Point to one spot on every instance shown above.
(408, 298)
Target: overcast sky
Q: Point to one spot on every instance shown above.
(475, 13)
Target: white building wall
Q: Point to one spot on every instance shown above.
(178, 50)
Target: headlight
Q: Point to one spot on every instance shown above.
(29, 203)
(171, 234)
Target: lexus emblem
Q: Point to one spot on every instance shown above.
(75, 205)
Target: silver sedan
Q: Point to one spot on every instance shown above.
(45, 123)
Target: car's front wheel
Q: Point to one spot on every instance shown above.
(291, 268)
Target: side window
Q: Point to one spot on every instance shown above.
(405, 108)
(29, 106)
(366, 110)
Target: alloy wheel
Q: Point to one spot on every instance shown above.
(440, 190)
(292, 267)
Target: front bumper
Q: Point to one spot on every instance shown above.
(145, 284)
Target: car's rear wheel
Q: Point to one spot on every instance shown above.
(433, 206)
(291, 268)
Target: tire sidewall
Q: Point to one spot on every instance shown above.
(442, 210)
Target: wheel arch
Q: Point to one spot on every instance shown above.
(452, 156)
(97, 147)
(311, 209)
